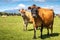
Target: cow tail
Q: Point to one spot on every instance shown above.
(53, 14)
(53, 17)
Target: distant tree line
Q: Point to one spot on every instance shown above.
(17, 14)
(58, 15)
(9, 14)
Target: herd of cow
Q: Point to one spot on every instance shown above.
(39, 17)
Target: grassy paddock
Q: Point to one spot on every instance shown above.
(11, 28)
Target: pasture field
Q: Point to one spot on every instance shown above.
(11, 28)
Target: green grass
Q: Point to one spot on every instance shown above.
(11, 28)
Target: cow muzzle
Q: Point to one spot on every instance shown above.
(34, 15)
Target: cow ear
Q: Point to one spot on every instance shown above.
(38, 7)
(29, 7)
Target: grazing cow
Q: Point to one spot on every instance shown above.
(27, 17)
(42, 17)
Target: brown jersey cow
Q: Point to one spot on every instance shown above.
(42, 17)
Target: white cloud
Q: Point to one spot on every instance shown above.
(19, 6)
(39, 0)
(15, 0)
(10, 0)
(56, 8)
(50, 7)
(1, 10)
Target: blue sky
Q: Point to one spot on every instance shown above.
(17, 4)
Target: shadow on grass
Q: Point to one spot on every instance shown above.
(48, 36)
(32, 29)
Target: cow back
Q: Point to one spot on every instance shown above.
(47, 15)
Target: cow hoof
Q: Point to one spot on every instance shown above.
(41, 37)
(34, 38)
(48, 34)
(51, 34)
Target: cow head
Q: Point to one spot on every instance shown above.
(34, 10)
(22, 12)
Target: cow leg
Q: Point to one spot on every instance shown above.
(34, 33)
(34, 23)
(51, 28)
(41, 30)
(25, 25)
(47, 31)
